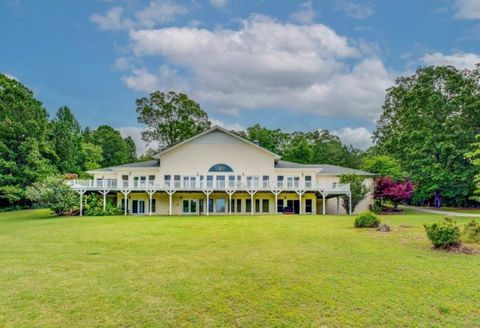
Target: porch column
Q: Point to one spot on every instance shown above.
(81, 192)
(338, 205)
(230, 194)
(207, 193)
(251, 192)
(276, 193)
(300, 193)
(350, 204)
(125, 195)
(104, 193)
(170, 193)
(323, 203)
(150, 195)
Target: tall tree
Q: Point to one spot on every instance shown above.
(27, 154)
(131, 149)
(383, 165)
(115, 149)
(67, 139)
(273, 140)
(357, 189)
(474, 157)
(428, 121)
(170, 118)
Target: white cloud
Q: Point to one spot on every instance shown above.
(357, 137)
(112, 20)
(158, 12)
(354, 9)
(218, 3)
(467, 9)
(141, 80)
(122, 64)
(459, 60)
(136, 134)
(266, 64)
(305, 15)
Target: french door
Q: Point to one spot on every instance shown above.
(138, 207)
(189, 206)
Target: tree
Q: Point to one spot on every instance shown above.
(273, 140)
(115, 149)
(428, 122)
(131, 149)
(53, 193)
(383, 165)
(357, 189)
(386, 188)
(27, 153)
(93, 155)
(474, 157)
(170, 118)
(299, 149)
(67, 140)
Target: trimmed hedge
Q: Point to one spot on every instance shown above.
(367, 220)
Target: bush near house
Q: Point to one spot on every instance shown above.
(94, 207)
(366, 220)
(443, 234)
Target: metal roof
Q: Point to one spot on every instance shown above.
(146, 164)
(323, 169)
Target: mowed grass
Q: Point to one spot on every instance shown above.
(230, 271)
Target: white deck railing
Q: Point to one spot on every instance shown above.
(207, 185)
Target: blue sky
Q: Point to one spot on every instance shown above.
(284, 64)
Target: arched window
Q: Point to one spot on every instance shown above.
(220, 168)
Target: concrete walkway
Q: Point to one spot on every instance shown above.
(439, 211)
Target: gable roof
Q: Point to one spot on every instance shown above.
(212, 129)
(323, 169)
(146, 164)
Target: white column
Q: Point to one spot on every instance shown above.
(170, 203)
(104, 200)
(350, 204)
(208, 212)
(150, 203)
(125, 202)
(251, 207)
(323, 203)
(81, 203)
(230, 203)
(276, 203)
(300, 203)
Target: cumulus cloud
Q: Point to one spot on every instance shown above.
(218, 3)
(467, 9)
(112, 20)
(165, 78)
(354, 9)
(357, 137)
(459, 60)
(266, 64)
(305, 15)
(158, 12)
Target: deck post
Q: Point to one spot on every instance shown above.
(81, 192)
(251, 192)
(125, 193)
(350, 203)
(230, 194)
(338, 205)
(276, 193)
(323, 203)
(150, 195)
(104, 193)
(300, 193)
(207, 193)
(170, 193)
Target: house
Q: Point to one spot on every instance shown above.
(218, 172)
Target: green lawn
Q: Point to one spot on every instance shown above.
(230, 271)
(460, 210)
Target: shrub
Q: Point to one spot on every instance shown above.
(367, 220)
(471, 232)
(376, 207)
(443, 234)
(54, 194)
(94, 206)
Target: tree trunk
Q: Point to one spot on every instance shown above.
(438, 200)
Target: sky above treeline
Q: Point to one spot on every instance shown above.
(286, 64)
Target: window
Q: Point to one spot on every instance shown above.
(154, 203)
(166, 179)
(248, 205)
(239, 206)
(210, 205)
(308, 181)
(220, 168)
(220, 205)
(200, 205)
(125, 180)
(220, 181)
(177, 181)
(308, 206)
(265, 179)
(151, 180)
(209, 181)
(280, 206)
(257, 205)
(231, 181)
(279, 181)
(265, 206)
